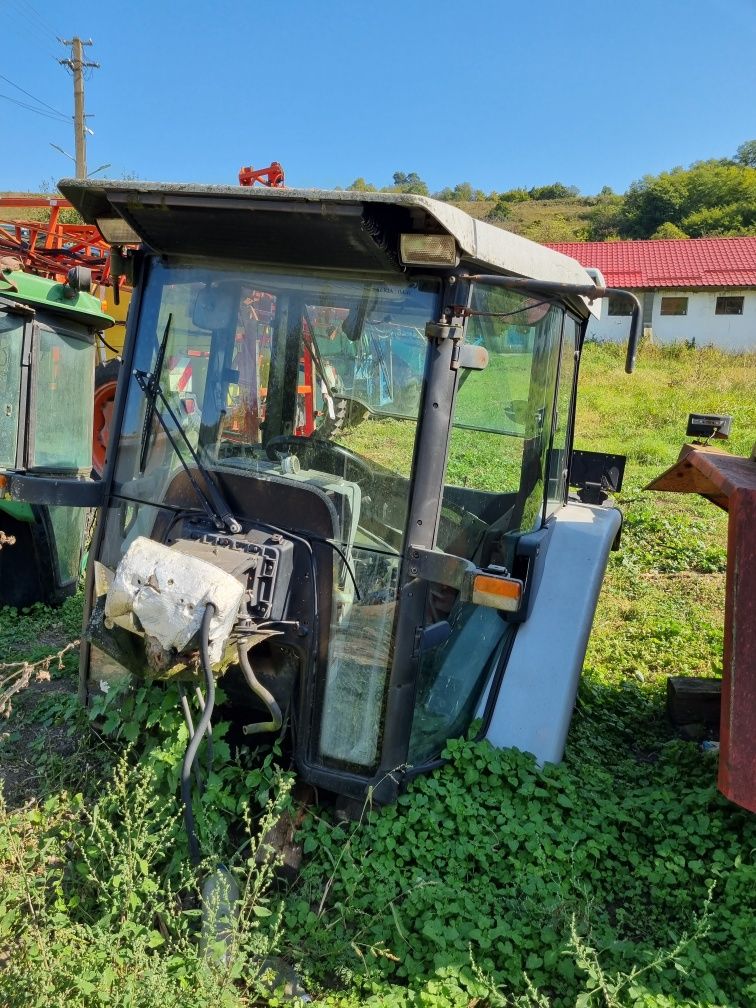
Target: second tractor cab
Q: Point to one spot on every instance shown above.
(338, 474)
(48, 329)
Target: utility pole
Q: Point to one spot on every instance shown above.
(76, 65)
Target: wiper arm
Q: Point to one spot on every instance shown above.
(212, 500)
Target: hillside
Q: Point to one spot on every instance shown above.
(541, 220)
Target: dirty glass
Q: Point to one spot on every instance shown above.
(312, 378)
(68, 526)
(556, 485)
(502, 421)
(11, 340)
(495, 486)
(62, 419)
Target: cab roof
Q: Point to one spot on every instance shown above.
(308, 227)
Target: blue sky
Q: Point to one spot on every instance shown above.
(498, 94)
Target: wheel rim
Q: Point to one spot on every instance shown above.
(104, 398)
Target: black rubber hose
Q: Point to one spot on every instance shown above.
(194, 742)
(276, 720)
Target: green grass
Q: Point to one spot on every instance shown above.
(620, 878)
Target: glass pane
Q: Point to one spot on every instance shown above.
(556, 491)
(452, 678)
(494, 490)
(68, 528)
(295, 376)
(495, 473)
(312, 379)
(11, 340)
(358, 665)
(62, 421)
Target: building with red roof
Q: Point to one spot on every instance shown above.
(700, 290)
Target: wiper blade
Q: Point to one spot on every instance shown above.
(151, 393)
(212, 500)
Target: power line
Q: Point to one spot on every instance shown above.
(35, 34)
(33, 108)
(33, 97)
(41, 21)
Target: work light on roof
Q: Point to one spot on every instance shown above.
(428, 250)
(116, 231)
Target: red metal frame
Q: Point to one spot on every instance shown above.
(272, 176)
(51, 248)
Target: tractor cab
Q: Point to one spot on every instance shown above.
(338, 473)
(48, 329)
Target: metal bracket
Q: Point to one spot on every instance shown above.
(441, 568)
(470, 357)
(462, 575)
(440, 331)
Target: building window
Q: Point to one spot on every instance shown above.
(729, 306)
(620, 306)
(674, 306)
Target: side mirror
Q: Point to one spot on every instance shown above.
(215, 305)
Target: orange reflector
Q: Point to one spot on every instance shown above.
(496, 592)
(3, 483)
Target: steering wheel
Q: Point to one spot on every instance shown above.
(315, 445)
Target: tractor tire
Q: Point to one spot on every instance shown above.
(347, 413)
(106, 382)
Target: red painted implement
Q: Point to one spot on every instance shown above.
(729, 481)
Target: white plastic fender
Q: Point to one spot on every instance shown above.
(168, 592)
(534, 705)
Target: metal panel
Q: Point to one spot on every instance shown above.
(147, 207)
(534, 707)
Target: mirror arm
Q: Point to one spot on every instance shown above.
(49, 490)
(590, 291)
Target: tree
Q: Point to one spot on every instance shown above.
(553, 192)
(746, 154)
(410, 183)
(688, 198)
(669, 230)
(501, 210)
(515, 196)
(360, 185)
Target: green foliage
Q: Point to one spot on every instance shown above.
(515, 196)
(91, 912)
(521, 869)
(668, 230)
(708, 198)
(410, 183)
(97, 905)
(555, 191)
(746, 154)
(463, 192)
(501, 210)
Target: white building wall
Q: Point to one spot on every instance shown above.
(728, 332)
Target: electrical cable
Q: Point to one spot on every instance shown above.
(40, 21)
(191, 750)
(34, 98)
(31, 108)
(187, 712)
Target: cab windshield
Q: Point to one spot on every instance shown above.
(310, 383)
(285, 375)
